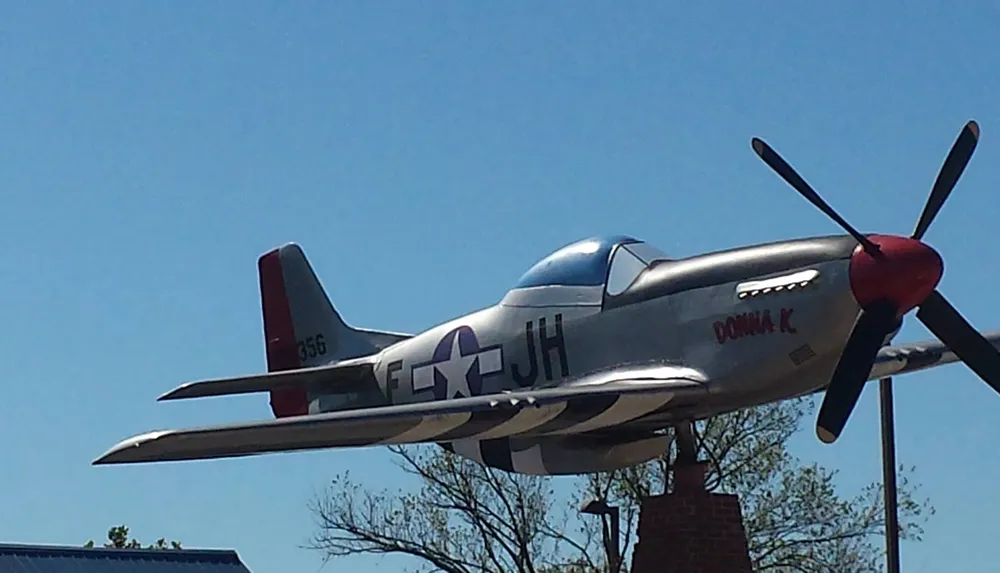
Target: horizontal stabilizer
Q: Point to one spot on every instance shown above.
(341, 377)
(603, 401)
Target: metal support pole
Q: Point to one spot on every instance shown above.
(616, 554)
(610, 533)
(889, 475)
(687, 451)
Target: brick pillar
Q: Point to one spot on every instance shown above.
(690, 530)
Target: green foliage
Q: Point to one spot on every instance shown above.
(467, 518)
(118, 539)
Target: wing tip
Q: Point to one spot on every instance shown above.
(120, 452)
(175, 394)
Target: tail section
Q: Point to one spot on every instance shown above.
(301, 326)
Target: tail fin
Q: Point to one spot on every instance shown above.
(301, 326)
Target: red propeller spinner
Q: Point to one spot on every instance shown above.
(904, 272)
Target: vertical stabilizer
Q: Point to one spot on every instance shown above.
(301, 326)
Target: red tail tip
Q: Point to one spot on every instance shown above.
(279, 334)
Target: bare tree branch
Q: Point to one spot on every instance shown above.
(467, 518)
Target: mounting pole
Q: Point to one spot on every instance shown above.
(687, 451)
(889, 475)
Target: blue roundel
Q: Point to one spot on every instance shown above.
(584, 263)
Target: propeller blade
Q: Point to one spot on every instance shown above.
(966, 342)
(782, 168)
(851, 374)
(951, 170)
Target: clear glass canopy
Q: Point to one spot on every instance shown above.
(612, 261)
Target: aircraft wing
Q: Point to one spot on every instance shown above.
(590, 403)
(916, 356)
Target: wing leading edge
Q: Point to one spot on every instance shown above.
(916, 356)
(589, 404)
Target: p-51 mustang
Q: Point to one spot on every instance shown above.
(598, 349)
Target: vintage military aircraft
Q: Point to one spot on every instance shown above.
(598, 349)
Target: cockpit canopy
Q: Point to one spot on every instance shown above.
(581, 273)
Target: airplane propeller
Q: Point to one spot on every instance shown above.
(901, 274)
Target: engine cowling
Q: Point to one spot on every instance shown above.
(560, 455)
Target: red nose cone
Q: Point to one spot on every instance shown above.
(906, 274)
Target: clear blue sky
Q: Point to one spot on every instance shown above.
(425, 155)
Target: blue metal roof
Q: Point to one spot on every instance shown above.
(584, 263)
(62, 559)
